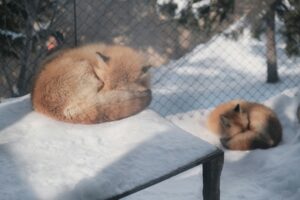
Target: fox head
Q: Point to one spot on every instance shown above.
(234, 121)
(121, 68)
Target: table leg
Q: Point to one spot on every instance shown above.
(211, 177)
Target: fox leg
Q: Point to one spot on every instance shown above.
(116, 105)
(248, 140)
(242, 141)
(106, 106)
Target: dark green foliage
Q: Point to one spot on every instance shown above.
(291, 32)
(290, 16)
(12, 18)
(17, 21)
(168, 9)
(206, 17)
(24, 28)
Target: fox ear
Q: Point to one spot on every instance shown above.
(225, 121)
(237, 108)
(102, 57)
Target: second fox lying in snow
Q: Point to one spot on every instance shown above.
(244, 125)
(92, 84)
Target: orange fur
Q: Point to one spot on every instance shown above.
(244, 125)
(92, 84)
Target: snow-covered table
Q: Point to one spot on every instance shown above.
(45, 159)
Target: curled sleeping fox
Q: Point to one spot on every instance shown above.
(92, 84)
(244, 125)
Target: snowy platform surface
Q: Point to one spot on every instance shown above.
(45, 159)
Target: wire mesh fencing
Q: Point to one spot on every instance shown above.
(197, 63)
(26, 32)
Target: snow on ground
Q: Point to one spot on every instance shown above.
(258, 174)
(219, 71)
(212, 73)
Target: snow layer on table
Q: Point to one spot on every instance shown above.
(45, 159)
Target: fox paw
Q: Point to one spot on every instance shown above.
(224, 141)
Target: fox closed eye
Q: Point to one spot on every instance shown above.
(225, 121)
(145, 69)
(103, 57)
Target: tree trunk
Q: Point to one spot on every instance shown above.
(31, 8)
(272, 74)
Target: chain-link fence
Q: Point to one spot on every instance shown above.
(26, 28)
(201, 56)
